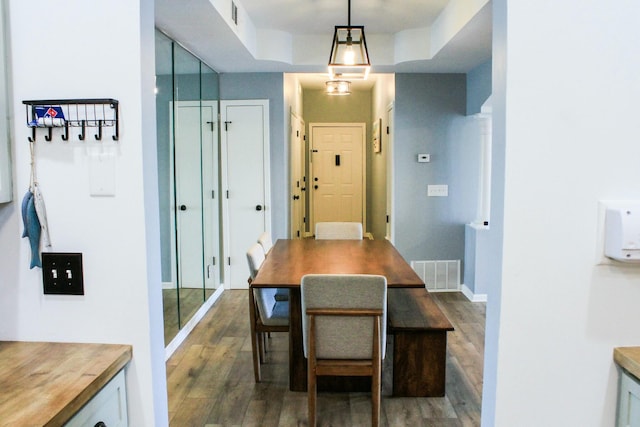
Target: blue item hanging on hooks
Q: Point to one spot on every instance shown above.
(34, 215)
(34, 230)
(32, 227)
(25, 202)
(47, 115)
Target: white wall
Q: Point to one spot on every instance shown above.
(566, 124)
(292, 104)
(80, 49)
(292, 96)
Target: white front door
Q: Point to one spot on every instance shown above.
(245, 174)
(338, 172)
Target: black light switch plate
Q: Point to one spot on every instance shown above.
(62, 273)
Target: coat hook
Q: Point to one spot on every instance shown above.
(48, 137)
(65, 136)
(99, 135)
(32, 138)
(115, 137)
(81, 136)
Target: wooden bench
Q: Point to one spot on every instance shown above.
(419, 330)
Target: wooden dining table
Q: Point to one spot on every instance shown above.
(289, 260)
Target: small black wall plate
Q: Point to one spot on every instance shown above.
(62, 273)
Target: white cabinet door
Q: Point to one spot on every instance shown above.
(628, 401)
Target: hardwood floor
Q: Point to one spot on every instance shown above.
(210, 377)
(190, 301)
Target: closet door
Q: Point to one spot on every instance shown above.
(245, 174)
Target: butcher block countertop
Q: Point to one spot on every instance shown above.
(45, 384)
(628, 358)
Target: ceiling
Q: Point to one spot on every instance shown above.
(408, 36)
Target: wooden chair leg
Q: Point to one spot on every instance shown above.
(254, 337)
(265, 341)
(311, 374)
(261, 346)
(375, 397)
(376, 376)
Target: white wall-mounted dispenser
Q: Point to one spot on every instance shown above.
(622, 232)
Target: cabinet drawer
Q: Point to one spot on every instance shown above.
(108, 406)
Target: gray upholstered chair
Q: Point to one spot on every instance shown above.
(282, 294)
(344, 331)
(255, 258)
(339, 230)
(265, 241)
(266, 313)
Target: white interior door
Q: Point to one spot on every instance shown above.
(297, 184)
(188, 195)
(245, 167)
(338, 172)
(195, 242)
(210, 193)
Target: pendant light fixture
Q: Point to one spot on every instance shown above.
(349, 56)
(338, 87)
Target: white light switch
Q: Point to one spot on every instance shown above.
(438, 190)
(424, 158)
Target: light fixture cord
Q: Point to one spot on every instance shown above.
(349, 14)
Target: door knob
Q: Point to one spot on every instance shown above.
(183, 208)
(258, 207)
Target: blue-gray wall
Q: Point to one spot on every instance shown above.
(478, 87)
(267, 86)
(430, 118)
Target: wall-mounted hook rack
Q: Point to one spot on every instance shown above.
(65, 113)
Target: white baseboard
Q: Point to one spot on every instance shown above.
(471, 296)
(191, 324)
(168, 285)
